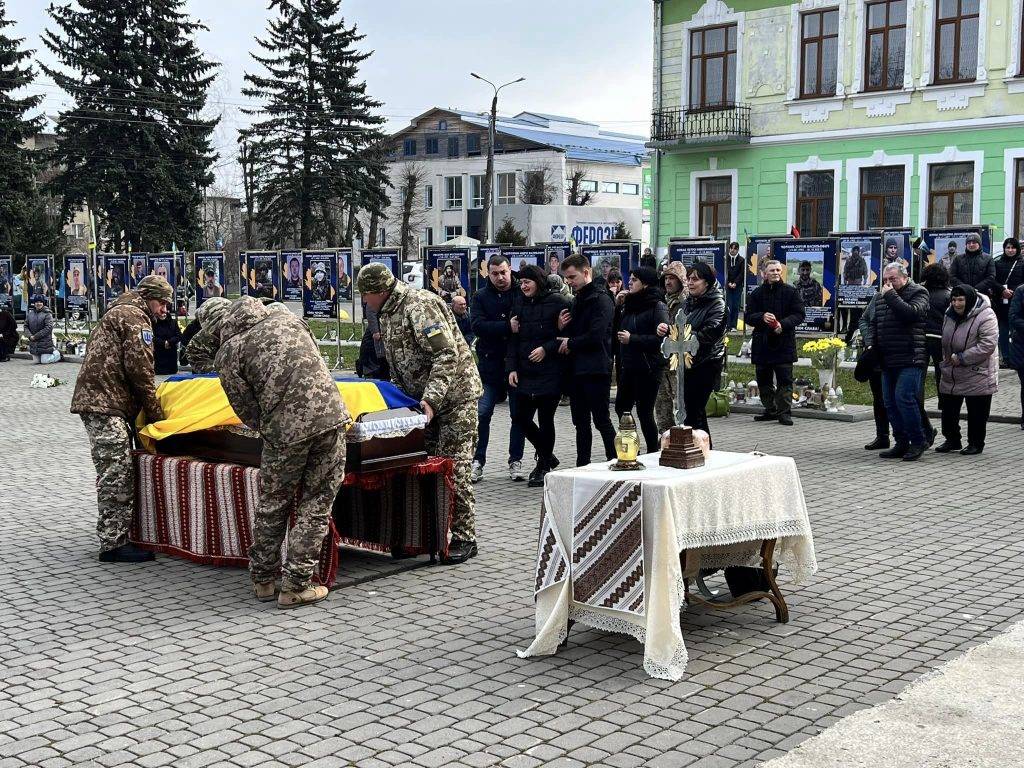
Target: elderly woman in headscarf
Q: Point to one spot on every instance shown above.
(202, 348)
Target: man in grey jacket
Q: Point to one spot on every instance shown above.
(974, 267)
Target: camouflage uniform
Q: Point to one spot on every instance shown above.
(665, 402)
(114, 384)
(202, 348)
(430, 360)
(277, 383)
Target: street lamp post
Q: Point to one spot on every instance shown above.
(488, 225)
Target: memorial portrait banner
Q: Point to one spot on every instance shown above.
(165, 265)
(40, 277)
(605, 257)
(554, 255)
(860, 255)
(292, 276)
(811, 268)
(446, 271)
(711, 252)
(77, 276)
(483, 255)
(759, 250)
(320, 284)
(263, 274)
(208, 275)
(520, 255)
(138, 268)
(345, 275)
(389, 257)
(7, 283)
(946, 243)
(115, 278)
(243, 275)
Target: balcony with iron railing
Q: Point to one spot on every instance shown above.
(718, 124)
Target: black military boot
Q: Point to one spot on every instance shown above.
(459, 551)
(898, 451)
(127, 553)
(879, 443)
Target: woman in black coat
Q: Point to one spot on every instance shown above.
(935, 277)
(708, 321)
(534, 366)
(8, 334)
(640, 360)
(166, 335)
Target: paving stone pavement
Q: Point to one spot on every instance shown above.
(173, 664)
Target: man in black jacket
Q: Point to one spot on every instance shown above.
(489, 316)
(901, 345)
(774, 310)
(735, 265)
(587, 339)
(973, 267)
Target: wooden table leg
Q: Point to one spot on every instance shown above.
(773, 594)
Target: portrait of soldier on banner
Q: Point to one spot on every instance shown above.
(210, 286)
(263, 277)
(138, 271)
(854, 268)
(114, 280)
(319, 296)
(807, 278)
(948, 248)
(162, 268)
(445, 280)
(344, 275)
(893, 251)
(292, 276)
(38, 277)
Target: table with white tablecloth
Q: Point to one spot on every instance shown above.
(610, 544)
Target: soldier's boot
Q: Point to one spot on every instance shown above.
(459, 551)
(127, 553)
(311, 594)
(265, 590)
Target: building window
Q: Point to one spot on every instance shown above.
(431, 148)
(588, 185)
(453, 146)
(476, 191)
(450, 233)
(409, 147)
(442, 125)
(819, 48)
(715, 210)
(452, 192)
(473, 144)
(77, 231)
(956, 41)
(951, 195)
(428, 196)
(885, 45)
(881, 197)
(1018, 200)
(428, 236)
(630, 189)
(815, 191)
(506, 188)
(712, 67)
(612, 187)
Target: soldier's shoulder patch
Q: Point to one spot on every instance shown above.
(146, 336)
(435, 336)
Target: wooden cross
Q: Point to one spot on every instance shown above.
(680, 342)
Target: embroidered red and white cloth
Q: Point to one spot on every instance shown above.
(608, 554)
(204, 511)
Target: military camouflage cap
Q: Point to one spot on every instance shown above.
(155, 287)
(375, 278)
(210, 315)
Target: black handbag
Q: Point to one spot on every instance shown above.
(866, 364)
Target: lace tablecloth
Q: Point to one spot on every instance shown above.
(609, 546)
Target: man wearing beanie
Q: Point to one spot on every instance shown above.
(973, 267)
(431, 361)
(114, 384)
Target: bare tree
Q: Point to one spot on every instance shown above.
(576, 195)
(538, 187)
(409, 209)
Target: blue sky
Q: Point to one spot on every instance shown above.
(589, 59)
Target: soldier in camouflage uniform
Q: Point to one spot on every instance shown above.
(202, 348)
(114, 384)
(277, 383)
(430, 360)
(674, 281)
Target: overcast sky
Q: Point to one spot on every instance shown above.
(589, 59)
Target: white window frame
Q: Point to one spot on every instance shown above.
(712, 14)
(610, 187)
(477, 183)
(428, 235)
(450, 233)
(811, 165)
(949, 155)
(796, 32)
(1014, 65)
(860, 25)
(1010, 158)
(853, 168)
(626, 185)
(428, 196)
(588, 185)
(505, 199)
(452, 203)
(962, 92)
(734, 189)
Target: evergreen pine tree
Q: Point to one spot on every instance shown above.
(315, 144)
(135, 147)
(508, 234)
(22, 210)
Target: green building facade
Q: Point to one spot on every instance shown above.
(837, 116)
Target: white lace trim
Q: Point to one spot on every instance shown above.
(361, 432)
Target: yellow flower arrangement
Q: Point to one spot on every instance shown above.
(824, 352)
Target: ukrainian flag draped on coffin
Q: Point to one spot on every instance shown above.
(192, 403)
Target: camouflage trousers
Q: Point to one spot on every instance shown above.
(110, 440)
(453, 433)
(665, 403)
(313, 470)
